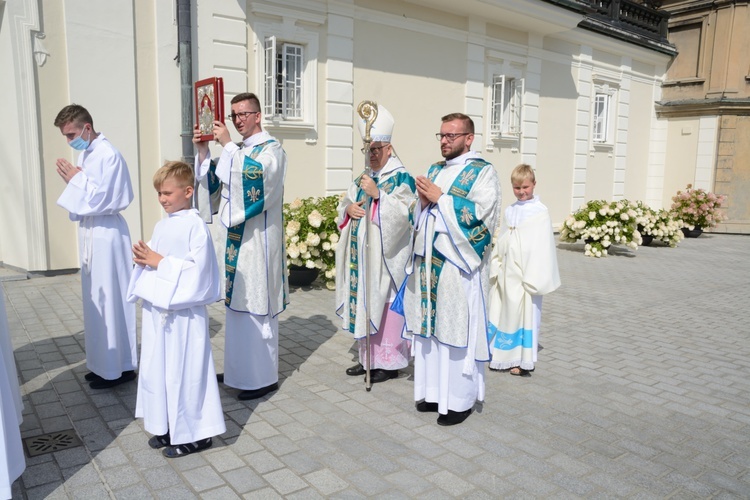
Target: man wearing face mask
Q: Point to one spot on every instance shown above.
(97, 189)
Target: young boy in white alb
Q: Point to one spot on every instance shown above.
(177, 276)
(523, 268)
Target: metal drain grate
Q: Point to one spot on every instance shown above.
(53, 441)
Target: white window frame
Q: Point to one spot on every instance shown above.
(506, 106)
(505, 100)
(295, 94)
(283, 78)
(600, 117)
(603, 113)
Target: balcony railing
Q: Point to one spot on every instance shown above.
(642, 18)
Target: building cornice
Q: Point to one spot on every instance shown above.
(703, 107)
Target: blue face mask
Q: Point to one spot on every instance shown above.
(78, 143)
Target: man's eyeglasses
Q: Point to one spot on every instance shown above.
(450, 137)
(242, 115)
(372, 148)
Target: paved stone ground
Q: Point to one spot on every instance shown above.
(641, 392)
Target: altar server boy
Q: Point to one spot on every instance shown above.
(177, 276)
(523, 268)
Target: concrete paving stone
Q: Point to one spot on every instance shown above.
(103, 398)
(67, 386)
(55, 424)
(690, 484)
(260, 430)
(121, 477)
(52, 491)
(450, 482)
(202, 478)
(110, 457)
(533, 484)
(39, 459)
(651, 484)
(146, 458)
(638, 448)
(279, 445)
(223, 459)
(49, 410)
(131, 443)
(134, 492)
(408, 482)
(263, 462)
(72, 457)
(244, 480)
(244, 444)
(726, 484)
(378, 463)
(221, 493)
(301, 462)
(276, 417)
(89, 492)
(81, 476)
(180, 492)
(159, 478)
(188, 462)
(578, 486)
(285, 481)
(42, 397)
(368, 483)
(264, 494)
(116, 412)
(304, 494)
(295, 431)
(90, 426)
(340, 462)
(39, 474)
(456, 464)
(326, 482)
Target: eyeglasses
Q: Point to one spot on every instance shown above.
(450, 137)
(373, 148)
(242, 115)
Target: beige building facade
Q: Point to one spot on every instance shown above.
(706, 102)
(544, 81)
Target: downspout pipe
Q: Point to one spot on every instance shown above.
(185, 61)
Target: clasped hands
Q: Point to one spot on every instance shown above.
(428, 191)
(144, 256)
(66, 170)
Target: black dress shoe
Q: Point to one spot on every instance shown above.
(91, 376)
(453, 417)
(106, 384)
(257, 393)
(425, 407)
(220, 378)
(355, 370)
(378, 375)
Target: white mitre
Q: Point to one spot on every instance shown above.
(382, 128)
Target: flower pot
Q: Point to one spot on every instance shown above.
(697, 231)
(646, 239)
(302, 276)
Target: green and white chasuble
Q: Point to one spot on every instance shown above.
(447, 281)
(253, 264)
(390, 237)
